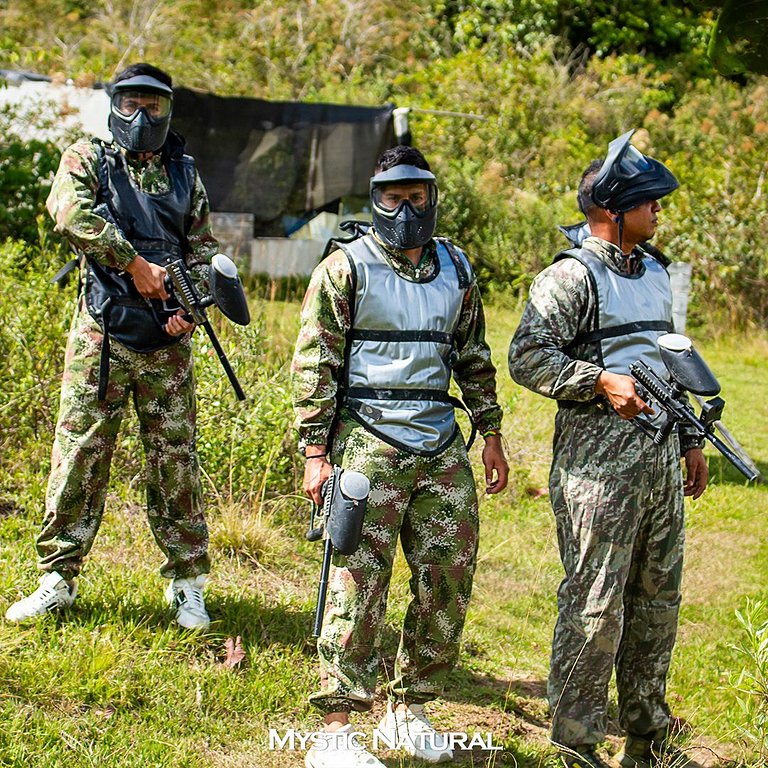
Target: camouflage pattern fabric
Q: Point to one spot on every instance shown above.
(160, 383)
(162, 387)
(618, 505)
(432, 504)
(326, 319)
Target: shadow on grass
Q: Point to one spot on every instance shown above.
(259, 625)
(722, 472)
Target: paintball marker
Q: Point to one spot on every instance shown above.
(687, 373)
(226, 292)
(345, 494)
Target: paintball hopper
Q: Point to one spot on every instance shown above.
(686, 365)
(227, 290)
(345, 522)
(687, 373)
(345, 495)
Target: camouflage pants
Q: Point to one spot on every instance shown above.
(162, 387)
(432, 504)
(618, 506)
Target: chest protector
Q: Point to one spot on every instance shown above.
(632, 311)
(400, 347)
(156, 226)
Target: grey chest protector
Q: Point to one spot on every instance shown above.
(631, 312)
(400, 348)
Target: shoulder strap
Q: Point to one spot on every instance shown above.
(462, 272)
(354, 227)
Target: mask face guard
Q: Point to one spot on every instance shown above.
(407, 225)
(138, 130)
(628, 178)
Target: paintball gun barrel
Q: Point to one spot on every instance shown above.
(345, 494)
(687, 373)
(226, 292)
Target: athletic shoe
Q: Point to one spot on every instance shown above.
(410, 728)
(53, 594)
(338, 750)
(186, 596)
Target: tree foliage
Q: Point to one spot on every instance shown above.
(553, 82)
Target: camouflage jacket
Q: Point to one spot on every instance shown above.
(73, 197)
(326, 319)
(562, 304)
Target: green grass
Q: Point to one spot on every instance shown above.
(114, 683)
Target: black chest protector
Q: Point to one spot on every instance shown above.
(156, 226)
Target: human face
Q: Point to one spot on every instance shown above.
(391, 195)
(127, 103)
(640, 222)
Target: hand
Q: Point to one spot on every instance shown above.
(696, 473)
(148, 278)
(621, 394)
(177, 325)
(316, 472)
(495, 461)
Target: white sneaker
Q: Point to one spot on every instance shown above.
(339, 749)
(411, 729)
(53, 594)
(186, 596)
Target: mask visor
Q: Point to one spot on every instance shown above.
(391, 199)
(127, 104)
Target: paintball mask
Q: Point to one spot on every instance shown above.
(404, 201)
(627, 178)
(140, 113)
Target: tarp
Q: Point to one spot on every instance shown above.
(280, 159)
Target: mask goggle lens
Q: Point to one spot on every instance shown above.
(390, 197)
(127, 103)
(633, 162)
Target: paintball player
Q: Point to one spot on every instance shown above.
(386, 320)
(128, 208)
(617, 498)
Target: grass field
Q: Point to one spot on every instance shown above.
(114, 683)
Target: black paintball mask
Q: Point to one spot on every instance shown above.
(140, 113)
(404, 202)
(628, 178)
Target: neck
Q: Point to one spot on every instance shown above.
(610, 233)
(414, 255)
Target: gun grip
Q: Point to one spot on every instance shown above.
(314, 534)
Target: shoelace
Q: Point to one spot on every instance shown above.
(193, 597)
(45, 595)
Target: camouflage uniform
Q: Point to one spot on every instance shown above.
(161, 384)
(618, 505)
(428, 501)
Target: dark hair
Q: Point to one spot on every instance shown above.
(401, 155)
(134, 70)
(584, 195)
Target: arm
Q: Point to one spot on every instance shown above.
(559, 307)
(203, 245)
(317, 363)
(696, 472)
(476, 376)
(71, 203)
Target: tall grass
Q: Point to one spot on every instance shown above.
(114, 682)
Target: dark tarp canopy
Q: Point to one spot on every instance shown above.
(280, 159)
